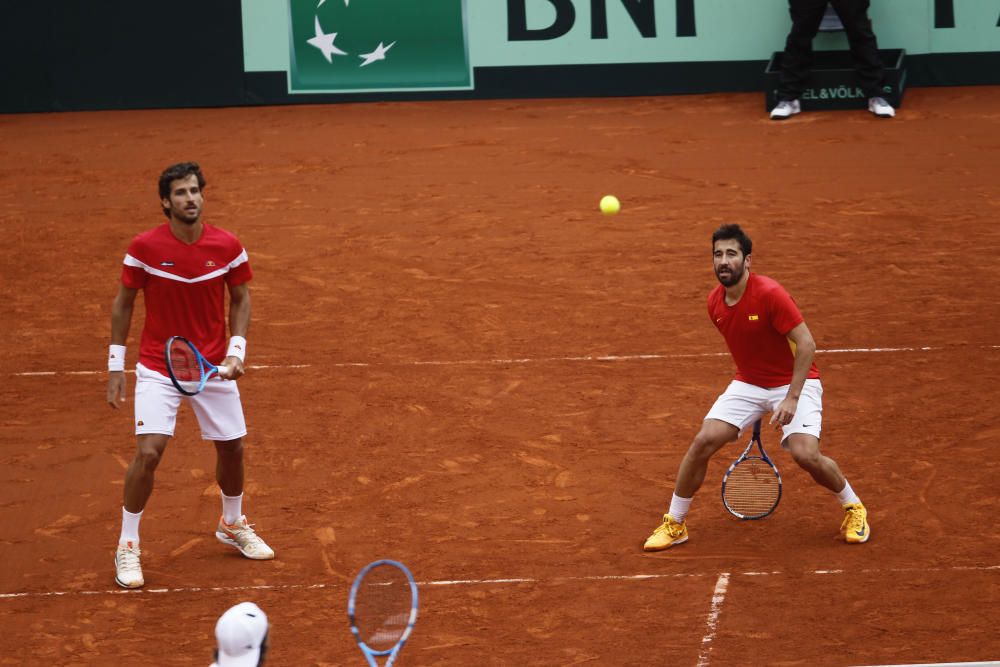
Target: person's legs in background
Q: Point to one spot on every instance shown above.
(864, 51)
(797, 58)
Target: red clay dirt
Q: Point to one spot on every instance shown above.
(434, 290)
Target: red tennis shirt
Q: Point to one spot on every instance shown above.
(756, 331)
(184, 289)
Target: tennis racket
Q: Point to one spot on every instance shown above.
(382, 609)
(751, 488)
(188, 370)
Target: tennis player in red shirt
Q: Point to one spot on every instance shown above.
(773, 351)
(184, 267)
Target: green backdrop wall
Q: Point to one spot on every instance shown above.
(107, 54)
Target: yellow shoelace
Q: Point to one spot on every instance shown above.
(671, 529)
(855, 520)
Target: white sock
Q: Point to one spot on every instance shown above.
(847, 495)
(130, 527)
(679, 507)
(232, 508)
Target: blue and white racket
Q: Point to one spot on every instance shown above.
(382, 609)
(751, 488)
(188, 370)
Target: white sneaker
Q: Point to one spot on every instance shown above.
(128, 571)
(242, 536)
(785, 109)
(881, 108)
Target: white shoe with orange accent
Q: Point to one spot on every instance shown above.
(242, 536)
(128, 571)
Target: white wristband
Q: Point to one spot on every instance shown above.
(237, 347)
(116, 357)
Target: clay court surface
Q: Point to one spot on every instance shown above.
(458, 362)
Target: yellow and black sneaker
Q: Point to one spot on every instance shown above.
(855, 527)
(667, 534)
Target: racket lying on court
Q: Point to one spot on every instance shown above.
(188, 370)
(382, 609)
(751, 488)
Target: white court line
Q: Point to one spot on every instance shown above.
(47, 373)
(507, 580)
(529, 360)
(718, 597)
(991, 663)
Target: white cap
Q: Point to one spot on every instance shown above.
(240, 633)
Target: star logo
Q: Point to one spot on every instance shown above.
(377, 54)
(387, 44)
(324, 42)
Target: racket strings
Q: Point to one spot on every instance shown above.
(752, 488)
(184, 364)
(390, 631)
(382, 607)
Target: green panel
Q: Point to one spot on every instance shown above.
(438, 42)
(726, 30)
(378, 45)
(265, 31)
(975, 29)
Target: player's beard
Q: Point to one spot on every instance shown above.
(188, 216)
(732, 277)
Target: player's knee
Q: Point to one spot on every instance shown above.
(229, 447)
(147, 458)
(808, 458)
(703, 446)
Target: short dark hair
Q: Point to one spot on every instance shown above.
(733, 231)
(175, 172)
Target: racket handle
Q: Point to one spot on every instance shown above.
(756, 430)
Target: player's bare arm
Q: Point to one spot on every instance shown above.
(239, 325)
(121, 321)
(805, 351)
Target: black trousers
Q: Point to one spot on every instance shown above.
(798, 57)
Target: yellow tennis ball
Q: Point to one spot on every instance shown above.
(610, 205)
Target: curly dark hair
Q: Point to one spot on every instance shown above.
(175, 172)
(733, 231)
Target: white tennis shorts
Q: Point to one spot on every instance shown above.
(742, 404)
(217, 406)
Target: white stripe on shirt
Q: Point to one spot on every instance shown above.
(133, 262)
